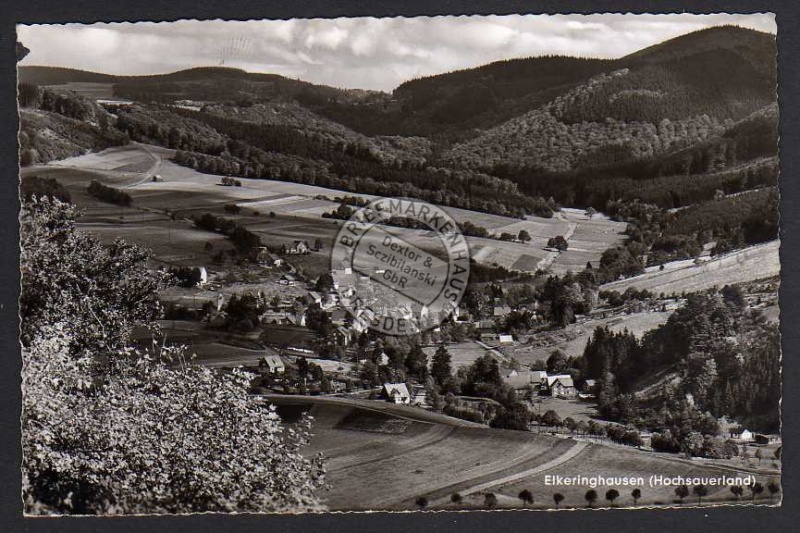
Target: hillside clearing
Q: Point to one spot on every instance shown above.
(300, 207)
(749, 264)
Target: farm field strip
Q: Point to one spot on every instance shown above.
(616, 461)
(443, 463)
(571, 453)
(555, 448)
(184, 189)
(390, 450)
(749, 264)
(461, 354)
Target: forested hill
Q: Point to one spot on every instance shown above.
(656, 101)
(675, 124)
(725, 72)
(203, 84)
(708, 70)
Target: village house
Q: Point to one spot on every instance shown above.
(742, 435)
(485, 326)
(315, 297)
(265, 258)
(505, 340)
(203, 276)
(288, 280)
(560, 386)
(396, 393)
(297, 248)
(419, 396)
(500, 311)
(341, 336)
(112, 104)
(338, 317)
(489, 337)
(382, 359)
(525, 383)
(275, 317)
(273, 364)
(296, 319)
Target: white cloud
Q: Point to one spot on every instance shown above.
(356, 52)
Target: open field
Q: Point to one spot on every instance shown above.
(752, 263)
(382, 456)
(87, 89)
(617, 461)
(575, 409)
(134, 158)
(461, 354)
(588, 240)
(298, 210)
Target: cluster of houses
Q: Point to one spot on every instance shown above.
(527, 383)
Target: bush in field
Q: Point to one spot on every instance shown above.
(108, 194)
(490, 500)
(700, 491)
(681, 492)
(558, 498)
(558, 242)
(186, 276)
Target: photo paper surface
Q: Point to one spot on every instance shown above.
(395, 264)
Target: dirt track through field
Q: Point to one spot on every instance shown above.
(570, 454)
(357, 457)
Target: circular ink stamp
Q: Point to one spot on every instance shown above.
(400, 266)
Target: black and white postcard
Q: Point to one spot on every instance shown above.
(399, 264)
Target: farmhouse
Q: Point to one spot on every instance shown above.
(744, 435)
(265, 258)
(525, 383)
(590, 386)
(560, 386)
(273, 363)
(341, 336)
(338, 317)
(315, 297)
(297, 248)
(275, 317)
(489, 337)
(396, 393)
(288, 280)
(419, 396)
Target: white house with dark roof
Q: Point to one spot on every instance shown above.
(561, 386)
(396, 393)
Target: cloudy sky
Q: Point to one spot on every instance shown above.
(362, 53)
